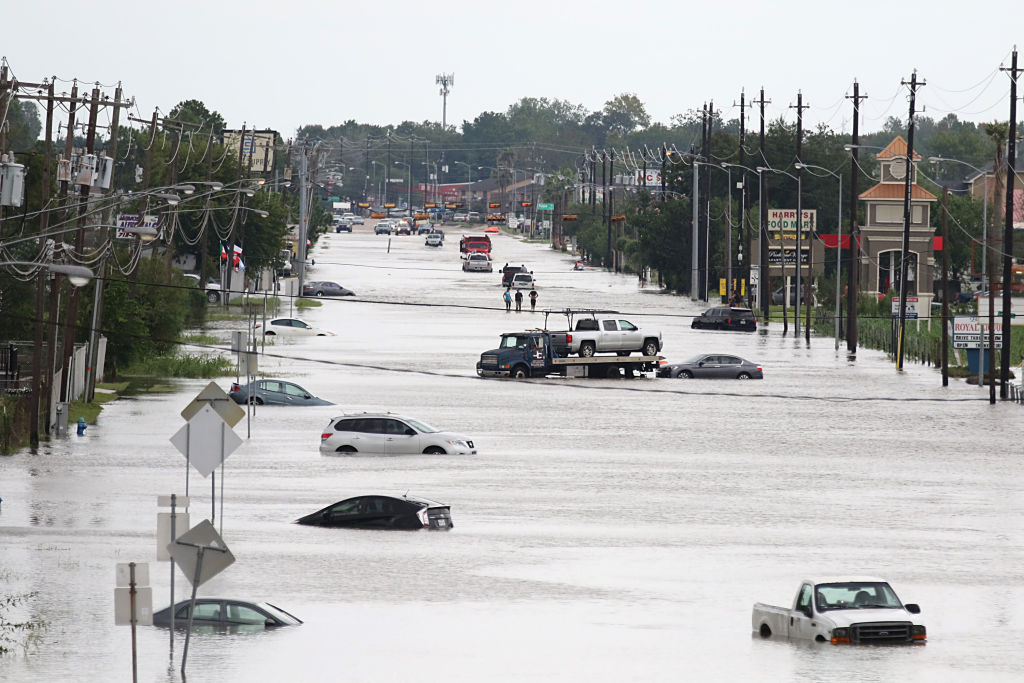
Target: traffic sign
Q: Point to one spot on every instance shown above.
(545, 207)
(206, 440)
(185, 551)
(215, 397)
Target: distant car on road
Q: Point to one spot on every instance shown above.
(293, 327)
(726, 318)
(523, 281)
(382, 228)
(479, 263)
(275, 392)
(325, 288)
(358, 220)
(383, 512)
(226, 613)
(460, 217)
(388, 434)
(712, 366)
(434, 240)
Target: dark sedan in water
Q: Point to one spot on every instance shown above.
(325, 289)
(383, 512)
(712, 366)
(276, 393)
(225, 613)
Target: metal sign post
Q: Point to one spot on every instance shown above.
(166, 532)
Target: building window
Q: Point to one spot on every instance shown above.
(888, 213)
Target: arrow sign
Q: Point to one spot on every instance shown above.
(206, 440)
(212, 395)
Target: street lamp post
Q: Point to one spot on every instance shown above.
(839, 241)
(469, 189)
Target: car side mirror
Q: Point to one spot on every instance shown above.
(306, 396)
(700, 364)
(269, 622)
(805, 609)
(913, 608)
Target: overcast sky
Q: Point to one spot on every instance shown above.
(284, 64)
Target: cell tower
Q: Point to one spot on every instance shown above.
(445, 81)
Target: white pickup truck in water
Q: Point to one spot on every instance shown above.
(842, 611)
(604, 332)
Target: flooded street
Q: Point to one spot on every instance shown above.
(608, 530)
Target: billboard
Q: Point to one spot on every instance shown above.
(257, 148)
(127, 222)
(782, 222)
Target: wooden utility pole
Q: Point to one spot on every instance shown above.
(800, 106)
(763, 282)
(945, 287)
(1011, 154)
(905, 251)
(744, 268)
(853, 272)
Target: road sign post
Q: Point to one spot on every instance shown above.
(167, 532)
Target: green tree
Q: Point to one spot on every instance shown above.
(625, 113)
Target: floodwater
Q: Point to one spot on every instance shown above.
(608, 530)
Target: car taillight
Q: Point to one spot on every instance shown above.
(325, 435)
(760, 369)
(422, 514)
(234, 386)
(568, 338)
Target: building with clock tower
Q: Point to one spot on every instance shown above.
(882, 231)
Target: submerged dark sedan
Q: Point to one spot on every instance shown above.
(276, 393)
(225, 612)
(325, 288)
(383, 512)
(712, 366)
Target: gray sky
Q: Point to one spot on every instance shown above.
(284, 64)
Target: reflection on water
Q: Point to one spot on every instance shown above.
(607, 530)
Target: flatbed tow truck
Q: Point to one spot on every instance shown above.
(543, 353)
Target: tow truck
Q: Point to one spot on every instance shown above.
(543, 353)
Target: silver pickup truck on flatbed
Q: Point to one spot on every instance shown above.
(592, 331)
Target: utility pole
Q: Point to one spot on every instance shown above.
(1011, 153)
(763, 285)
(611, 209)
(44, 221)
(97, 306)
(905, 252)
(593, 182)
(387, 171)
(71, 318)
(853, 272)
(664, 153)
(800, 106)
(695, 228)
(744, 246)
(945, 288)
(604, 204)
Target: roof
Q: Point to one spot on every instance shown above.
(892, 191)
(896, 148)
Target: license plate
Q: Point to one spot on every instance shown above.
(441, 522)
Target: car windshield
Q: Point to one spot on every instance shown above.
(511, 341)
(855, 595)
(423, 426)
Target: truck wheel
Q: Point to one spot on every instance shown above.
(521, 372)
(587, 350)
(765, 631)
(650, 347)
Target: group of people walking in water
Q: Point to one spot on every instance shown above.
(519, 300)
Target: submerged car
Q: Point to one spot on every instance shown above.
(726, 318)
(388, 434)
(712, 366)
(325, 289)
(293, 327)
(276, 393)
(226, 612)
(383, 512)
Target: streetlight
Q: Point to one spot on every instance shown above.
(78, 276)
(743, 213)
(409, 198)
(839, 239)
(799, 254)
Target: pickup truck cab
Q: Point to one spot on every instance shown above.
(864, 611)
(606, 332)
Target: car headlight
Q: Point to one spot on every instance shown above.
(918, 632)
(840, 635)
(458, 442)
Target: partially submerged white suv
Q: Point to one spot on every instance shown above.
(390, 434)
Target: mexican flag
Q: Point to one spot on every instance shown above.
(236, 260)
